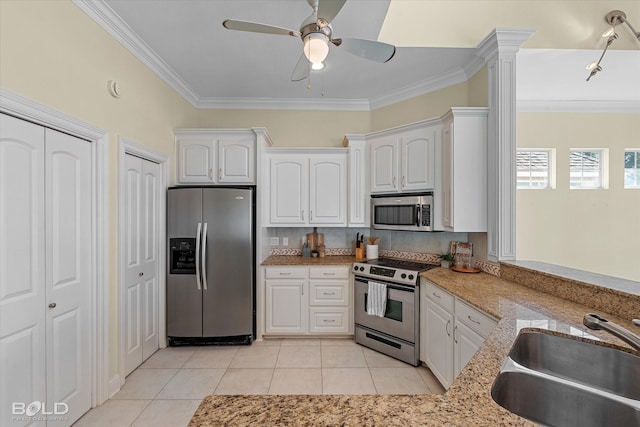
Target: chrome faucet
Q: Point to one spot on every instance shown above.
(595, 322)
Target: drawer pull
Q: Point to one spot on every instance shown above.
(329, 320)
(285, 274)
(329, 274)
(328, 293)
(436, 295)
(474, 321)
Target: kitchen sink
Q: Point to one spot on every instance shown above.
(559, 381)
(560, 404)
(595, 365)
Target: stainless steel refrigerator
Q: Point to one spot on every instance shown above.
(210, 265)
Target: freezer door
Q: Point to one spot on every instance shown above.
(184, 299)
(229, 259)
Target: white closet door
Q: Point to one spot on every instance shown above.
(68, 206)
(151, 179)
(141, 276)
(22, 266)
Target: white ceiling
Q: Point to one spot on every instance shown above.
(184, 42)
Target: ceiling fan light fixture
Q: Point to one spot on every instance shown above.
(317, 66)
(316, 47)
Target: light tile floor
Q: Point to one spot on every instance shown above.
(167, 389)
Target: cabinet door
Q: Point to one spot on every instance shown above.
(328, 190)
(288, 187)
(358, 196)
(236, 159)
(418, 162)
(196, 160)
(467, 343)
(384, 165)
(447, 174)
(440, 343)
(286, 310)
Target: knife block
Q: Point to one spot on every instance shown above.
(360, 252)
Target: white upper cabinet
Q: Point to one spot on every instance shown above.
(358, 203)
(288, 189)
(236, 156)
(307, 187)
(328, 189)
(215, 156)
(464, 170)
(403, 159)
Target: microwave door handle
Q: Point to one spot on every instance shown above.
(198, 236)
(418, 216)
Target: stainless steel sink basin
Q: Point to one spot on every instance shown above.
(557, 404)
(602, 367)
(559, 381)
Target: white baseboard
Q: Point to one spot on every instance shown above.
(114, 385)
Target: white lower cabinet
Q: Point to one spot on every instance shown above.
(308, 300)
(451, 332)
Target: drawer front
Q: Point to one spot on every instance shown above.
(334, 320)
(339, 272)
(286, 272)
(441, 297)
(476, 320)
(329, 292)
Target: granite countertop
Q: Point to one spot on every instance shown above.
(468, 400)
(295, 260)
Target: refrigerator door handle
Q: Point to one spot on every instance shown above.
(203, 258)
(198, 256)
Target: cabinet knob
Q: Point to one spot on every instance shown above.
(140, 274)
(52, 305)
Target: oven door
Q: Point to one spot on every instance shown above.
(400, 316)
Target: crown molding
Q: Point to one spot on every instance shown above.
(455, 76)
(576, 106)
(284, 104)
(104, 16)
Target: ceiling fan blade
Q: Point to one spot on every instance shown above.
(301, 70)
(255, 27)
(368, 49)
(328, 9)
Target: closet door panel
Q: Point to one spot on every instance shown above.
(68, 204)
(22, 265)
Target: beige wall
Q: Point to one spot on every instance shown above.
(592, 230)
(292, 128)
(52, 53)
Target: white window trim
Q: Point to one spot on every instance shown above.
(604, 168)
(552, 167)
(624, 187)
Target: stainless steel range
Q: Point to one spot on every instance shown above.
(397, 333)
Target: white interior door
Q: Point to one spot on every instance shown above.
(141, 274)
(45, 274)
(68, 265)
(22, 266)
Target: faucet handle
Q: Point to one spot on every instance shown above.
(636, 322)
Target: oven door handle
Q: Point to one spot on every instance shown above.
(389, 285)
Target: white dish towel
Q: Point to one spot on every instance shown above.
(377, 299)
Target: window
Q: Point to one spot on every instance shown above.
(587, 168)
(631, 168)
(535, 168)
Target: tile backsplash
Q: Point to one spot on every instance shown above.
(339, 238)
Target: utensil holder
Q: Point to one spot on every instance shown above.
(372, 251)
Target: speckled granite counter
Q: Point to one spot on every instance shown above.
(298, 260)
(468, 400)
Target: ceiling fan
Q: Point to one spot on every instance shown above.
(316, 33)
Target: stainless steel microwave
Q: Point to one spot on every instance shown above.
(409, 212)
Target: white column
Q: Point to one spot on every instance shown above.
(499, 51)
